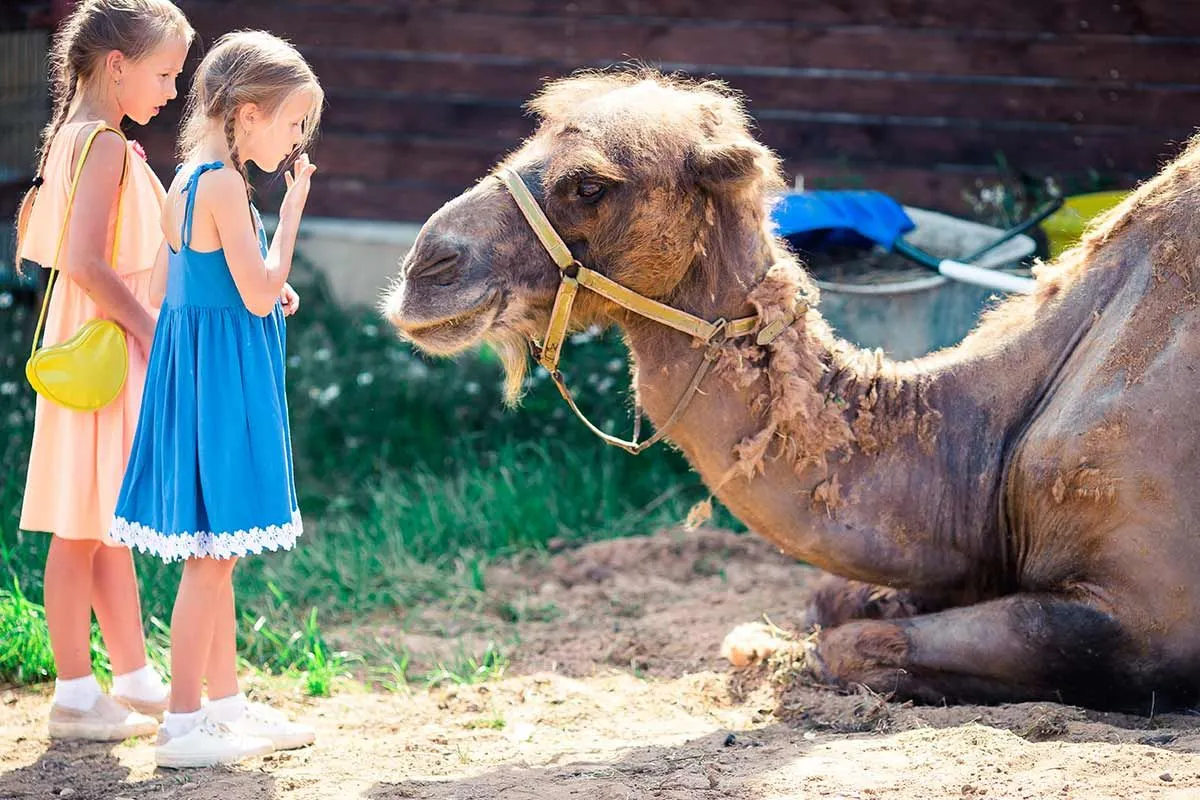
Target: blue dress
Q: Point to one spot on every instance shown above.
(210, 472)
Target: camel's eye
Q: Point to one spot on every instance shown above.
(590, 190)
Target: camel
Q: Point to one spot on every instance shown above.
(1012, 519)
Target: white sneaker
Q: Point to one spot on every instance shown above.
(260, 720)
(108, 720)
(150, 708)
(207, 744)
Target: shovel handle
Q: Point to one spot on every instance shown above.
(990, 278)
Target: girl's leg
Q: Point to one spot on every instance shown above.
(118, 609)
(68, 599)
(226, 704)
(193, 623)
(80, 710)
(190, 738)
(221, 672)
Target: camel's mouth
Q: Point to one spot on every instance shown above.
(452, 334)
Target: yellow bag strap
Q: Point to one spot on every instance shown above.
(62, 235)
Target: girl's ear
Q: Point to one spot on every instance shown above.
(248, 115)
(114, 64)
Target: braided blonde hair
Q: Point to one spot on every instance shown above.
(246, 67)
(93, 29)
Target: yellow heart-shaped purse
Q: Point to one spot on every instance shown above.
(86, 372)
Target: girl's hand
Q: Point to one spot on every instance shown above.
(289, 300)
(143, 334)
(298, 183)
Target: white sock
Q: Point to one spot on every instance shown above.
(179, 724)
(143, 685)
(77, 693)
(226, 709)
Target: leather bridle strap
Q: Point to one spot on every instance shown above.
(574, 275)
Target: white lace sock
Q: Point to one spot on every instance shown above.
(179, 724)
(143, 685)
(77, 693)
(227, 709)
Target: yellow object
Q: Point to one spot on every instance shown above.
(1064, 227)
(573, 275)
(86, 372)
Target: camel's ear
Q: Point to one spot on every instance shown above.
(717, 166)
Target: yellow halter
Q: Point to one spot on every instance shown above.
(574, 275)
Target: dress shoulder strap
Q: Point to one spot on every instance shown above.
(189, 193)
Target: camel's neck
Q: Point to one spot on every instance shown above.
(884, 472)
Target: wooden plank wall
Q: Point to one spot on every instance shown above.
(920, 98)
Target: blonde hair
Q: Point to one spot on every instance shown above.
(94, 28)
(246, 67)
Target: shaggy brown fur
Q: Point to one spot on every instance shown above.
(1018, 508)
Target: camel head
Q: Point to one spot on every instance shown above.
(653, 181)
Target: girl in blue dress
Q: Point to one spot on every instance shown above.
(210, 474)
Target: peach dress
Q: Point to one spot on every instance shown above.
(78, 458)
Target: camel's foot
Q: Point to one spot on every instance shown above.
(754, 643)
(751, 643)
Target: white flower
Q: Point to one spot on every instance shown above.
(329, 394)
(471, 387)
(294, 361)
(6, 299)
(370, 330)
(8, 387)
(365, 379)
(615, 365)
(322, 354)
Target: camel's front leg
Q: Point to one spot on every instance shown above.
(1016, 648)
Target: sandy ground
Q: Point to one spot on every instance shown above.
(615, 691)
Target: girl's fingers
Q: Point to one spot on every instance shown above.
(287, 178)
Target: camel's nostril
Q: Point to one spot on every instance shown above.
(439, 267)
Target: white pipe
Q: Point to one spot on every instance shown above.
(990, 278)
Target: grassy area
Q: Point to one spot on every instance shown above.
(411, 476)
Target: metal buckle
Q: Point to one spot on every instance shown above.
(720, 332)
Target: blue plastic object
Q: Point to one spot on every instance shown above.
(815, 221)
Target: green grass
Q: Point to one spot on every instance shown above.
(469, 669)
(25, 655)
(412, 477)
(302, 653)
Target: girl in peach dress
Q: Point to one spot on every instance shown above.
(111, 59)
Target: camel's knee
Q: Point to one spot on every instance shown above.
(836, 601)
